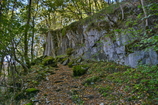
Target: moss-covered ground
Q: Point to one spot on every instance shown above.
(104, 83)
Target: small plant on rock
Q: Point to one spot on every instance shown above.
(70, 64)
(49, 60)
(91, 80)
(69, 51)
(79, 70)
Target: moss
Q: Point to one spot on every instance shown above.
(28, 93)
(79, 70)
(60, 58)
(105, 90)
(38, 60)
(69, 51)
(103, 25)
(64, 30)
(71, 64)
(92, 79)
(74, 26)
(75, 61)
(30, 103)
(129, 47)
(31, 90)
(49, 60)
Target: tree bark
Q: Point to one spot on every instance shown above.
(32, 41)
(49, 47)
(145, 13)
(26, 36)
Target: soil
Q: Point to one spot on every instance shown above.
(61, 88)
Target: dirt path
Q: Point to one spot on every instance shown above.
(62, 88)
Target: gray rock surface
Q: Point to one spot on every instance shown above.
(99, 45)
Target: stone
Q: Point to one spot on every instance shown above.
(58, 90)
(101, 104)
(35, 100)
(58, 81)
(65, 62)
(98, 45)
(89, 96)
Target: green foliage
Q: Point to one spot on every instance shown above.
(70, 64)
(147, 36)
(49, 60)
(75, 61)
(79, 70)
(146, 78)
(60, 58)
(76, 99)
(37, 60)
(92, 80)
(29, 103)
(31, 90)
(69, 51)
(104, 90)
(26, 94)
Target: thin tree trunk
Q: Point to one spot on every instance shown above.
(0, 10)
(145, 13)
(16, 59)
(26, 36)
(1, 64)
(122, 11)
(32, 43)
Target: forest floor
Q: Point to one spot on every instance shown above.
(62, 88)
(104, 83)
(97, 87)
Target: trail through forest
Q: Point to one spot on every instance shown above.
(61, 88)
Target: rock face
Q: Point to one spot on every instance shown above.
(100, 42)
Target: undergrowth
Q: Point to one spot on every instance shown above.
(124, 83)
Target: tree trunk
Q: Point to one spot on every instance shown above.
(32, 43)
(1, 63)
(49, 47)
(145, 13)
(26, 36)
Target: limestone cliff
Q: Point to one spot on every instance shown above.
(105, 37)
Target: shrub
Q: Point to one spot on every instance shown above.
(79, 70)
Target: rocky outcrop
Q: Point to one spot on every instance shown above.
(102, 40)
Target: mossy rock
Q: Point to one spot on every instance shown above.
(79, 70)
(69, 51)
(91, 80)
(26, 94)
(31, 90)
(30, 103)
(60, 58)
(37, 60)
(75, 61)
(71, 64)
(41, 76)
(65, 61)
(49, 60)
